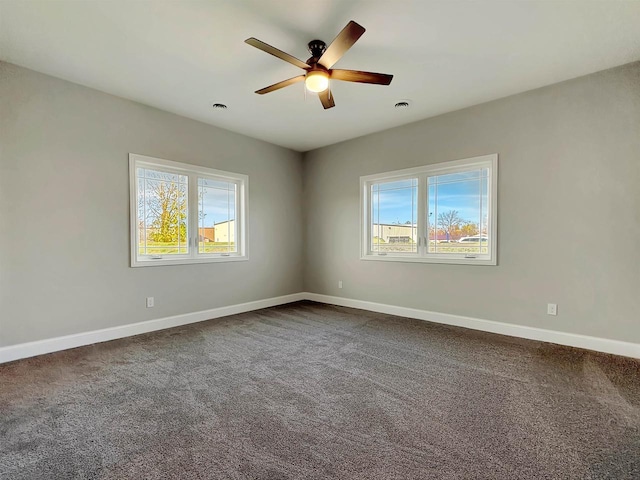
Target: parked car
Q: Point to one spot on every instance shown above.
(475, 239)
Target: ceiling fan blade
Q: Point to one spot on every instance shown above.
(265, 47)
(343, 42)
(326, 98)
(361, 77)
(279, 85)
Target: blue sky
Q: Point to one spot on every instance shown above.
(217, 202)
(397, 201)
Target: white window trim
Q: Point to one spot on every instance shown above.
(422, 255)
(193, 172)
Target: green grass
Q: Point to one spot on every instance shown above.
(453, 247)
(169, 248)
(217, 247)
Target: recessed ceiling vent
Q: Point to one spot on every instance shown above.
(219, 106)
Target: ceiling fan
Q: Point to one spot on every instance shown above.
(318, 67)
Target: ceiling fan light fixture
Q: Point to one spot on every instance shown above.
(317, 81)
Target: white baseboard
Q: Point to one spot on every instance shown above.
(604, 345)
(40, 347)
(31, 349)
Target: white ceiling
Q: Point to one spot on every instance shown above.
(183, 56)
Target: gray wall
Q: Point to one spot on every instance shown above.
(569, 210)
(64, 211)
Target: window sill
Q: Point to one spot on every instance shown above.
(187, 261)
(445, 260)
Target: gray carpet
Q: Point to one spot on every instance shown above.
(309, 391)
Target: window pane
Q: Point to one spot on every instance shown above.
(162, 213)
(458, 213)
(394, 216)
(216, 216)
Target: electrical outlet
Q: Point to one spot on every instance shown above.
(150, 302)
(552, 309)
(339, 283)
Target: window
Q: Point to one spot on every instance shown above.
(441, 213)
(182, 213)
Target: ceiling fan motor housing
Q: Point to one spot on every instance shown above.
(316, 48)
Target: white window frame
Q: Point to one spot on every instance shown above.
(422, 173)
(193, 172)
